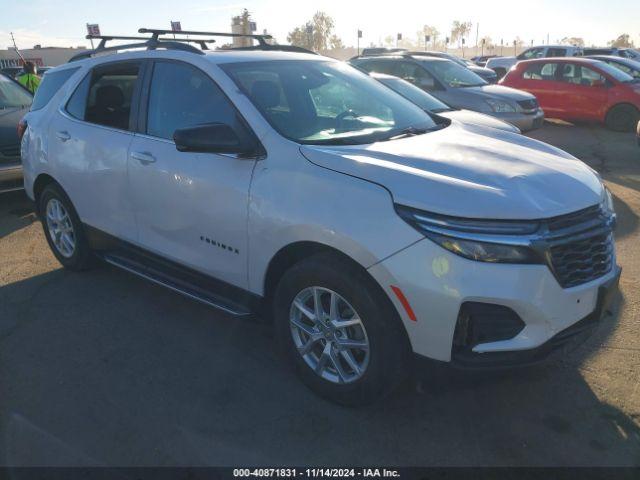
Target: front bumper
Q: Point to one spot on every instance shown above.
(524, 121)
(436, 283)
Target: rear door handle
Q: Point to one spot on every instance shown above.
(63, 136)
(145, 158)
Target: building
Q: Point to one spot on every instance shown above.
(41, 56)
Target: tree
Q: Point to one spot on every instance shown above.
(316, 34)
(460, 30)
(623, 41)
(428, 30)
(575, 41)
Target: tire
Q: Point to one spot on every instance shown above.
(622, 118)
(381, 368)
(63, 229)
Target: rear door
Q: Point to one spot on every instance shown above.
(190, 207)
(540, 79)
(89, 140)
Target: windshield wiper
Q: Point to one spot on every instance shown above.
(407, 132)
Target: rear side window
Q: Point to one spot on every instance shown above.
(104, 97)
(557, 52)
(51, 83)
(541, 71)
(182, 96)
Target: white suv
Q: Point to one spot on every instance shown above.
(298, 188)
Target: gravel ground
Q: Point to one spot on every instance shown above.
(102, 368)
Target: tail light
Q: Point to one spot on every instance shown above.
(22, 127)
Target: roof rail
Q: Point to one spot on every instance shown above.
(262, 39)
(279, 48)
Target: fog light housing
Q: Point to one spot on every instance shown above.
(485, 323)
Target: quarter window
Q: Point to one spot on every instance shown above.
(51, 83)
(182, 96)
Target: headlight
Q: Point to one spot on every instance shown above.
(607, 201)
(495, 241)
(500, 106)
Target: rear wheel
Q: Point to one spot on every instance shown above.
(63, 229)
(623, 118)
(341, 335)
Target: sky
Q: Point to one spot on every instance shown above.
(63, 23)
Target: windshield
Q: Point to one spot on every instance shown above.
(414, 94)
(454, 75)
(324, 102)
(616, 73)
(12, 95)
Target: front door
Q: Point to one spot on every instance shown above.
(587, 91)
(190, 207)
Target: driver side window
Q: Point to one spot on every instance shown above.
(182, 96)
(414, 74)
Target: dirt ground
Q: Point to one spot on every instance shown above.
(103, 368)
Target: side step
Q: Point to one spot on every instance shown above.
(178, 285)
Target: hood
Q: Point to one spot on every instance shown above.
(9, 118)
(475, 118)
(467, 171)
(499, 91)
(482, 71)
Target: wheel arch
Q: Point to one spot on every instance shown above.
(42, 180)
(295, 252)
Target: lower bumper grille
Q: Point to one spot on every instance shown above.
(11, 151)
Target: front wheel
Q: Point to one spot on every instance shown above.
(338, 331)
(623, 118)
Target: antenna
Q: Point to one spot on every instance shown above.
(15, 47)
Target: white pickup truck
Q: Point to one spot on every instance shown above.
(501, 65)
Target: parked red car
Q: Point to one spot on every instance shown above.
(580, 89)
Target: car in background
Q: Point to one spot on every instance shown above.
(632, 67)
(14, 104)
(638, 132)
(501, 65)
(11, 72)
(580, 89)
(485, 73)
(431, 104)
(631, 53)
(459, 87)
(481, 60)
(381, 50)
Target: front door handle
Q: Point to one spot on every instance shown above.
(63, 136)
(145, 158)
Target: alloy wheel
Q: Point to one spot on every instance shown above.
(60, 228)
(329, 335)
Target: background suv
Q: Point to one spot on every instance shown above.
(459, 87)
(299, 189)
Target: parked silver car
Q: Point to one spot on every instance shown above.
(459, 87)
(431, 104)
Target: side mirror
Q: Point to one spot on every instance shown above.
(212, 138)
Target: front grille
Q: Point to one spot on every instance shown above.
(581, 261)
(528, 105)
(10, 150)
(580, 246)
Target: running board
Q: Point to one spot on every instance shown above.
(177, 285)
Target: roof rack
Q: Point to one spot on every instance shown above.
(262, 39)
(155, 41)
